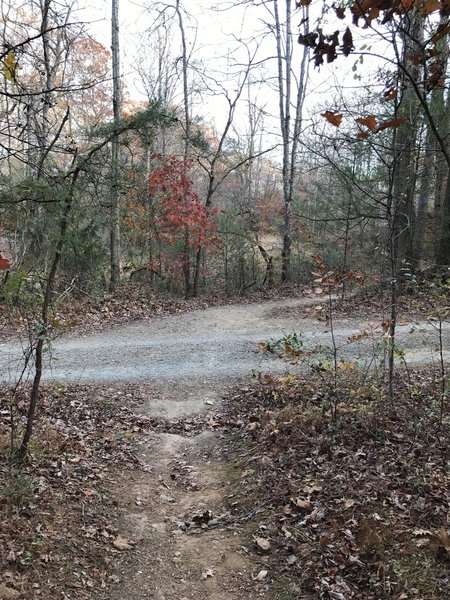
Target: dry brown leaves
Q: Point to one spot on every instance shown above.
(130, 302)
(352, 509)
(57, 526)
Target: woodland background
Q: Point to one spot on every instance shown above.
(119, 189)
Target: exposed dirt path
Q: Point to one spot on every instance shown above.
(189, 360)
(172, 562)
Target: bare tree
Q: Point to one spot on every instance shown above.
(115, 151)
(292, 80)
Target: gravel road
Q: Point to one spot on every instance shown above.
(214, 344)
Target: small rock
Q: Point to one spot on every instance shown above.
(207, 573)
(262, 543)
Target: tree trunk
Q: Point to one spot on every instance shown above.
(443, 253)
(187, 136)
(441, 220)
(49, 286)
(419, 249)
(115, 153)
(289, 132)
(428, 231)
(405, 154)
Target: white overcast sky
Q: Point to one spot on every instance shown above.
(211, 36)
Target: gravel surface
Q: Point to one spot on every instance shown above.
(210, 345)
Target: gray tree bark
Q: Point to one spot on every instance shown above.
(405, 150)
(115, 153)
(187, 134)
(290, 131)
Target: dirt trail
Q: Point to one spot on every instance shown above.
(188, 478)
(189, 360)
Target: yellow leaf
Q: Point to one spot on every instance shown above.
(9, 66)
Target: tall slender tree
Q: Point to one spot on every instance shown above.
(291, 93)
(115, 151)
(405, 150)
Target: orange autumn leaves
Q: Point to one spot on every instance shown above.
(370, 123)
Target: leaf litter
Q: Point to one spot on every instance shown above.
(83, 313)
(355, 508)
(58, 528)
(352, 508)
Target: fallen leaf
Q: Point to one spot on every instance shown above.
(261, 575)
(310, 489)
(262, 543)
(440, 542)
(302, 503)
(123, 544)
(377, 517)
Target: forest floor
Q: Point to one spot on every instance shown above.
(161, 470)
